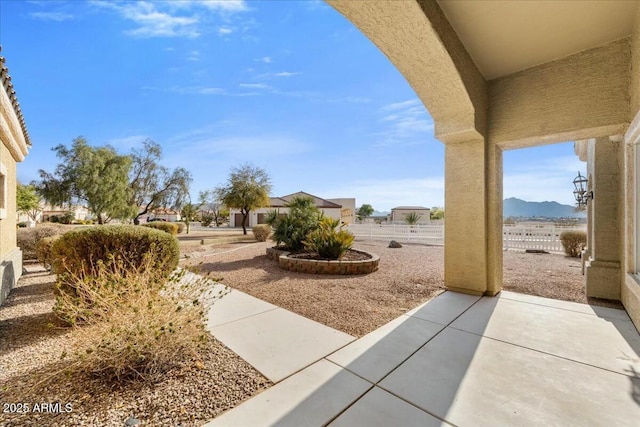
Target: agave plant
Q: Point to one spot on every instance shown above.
(412, 218)
(328, 240)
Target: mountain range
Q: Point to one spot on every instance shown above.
(520, 208)
(513, 207)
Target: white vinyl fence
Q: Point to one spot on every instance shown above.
(545, 237)
(429, 234)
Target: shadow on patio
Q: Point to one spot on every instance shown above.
(468, 361)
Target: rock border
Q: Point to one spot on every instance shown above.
(312, 266)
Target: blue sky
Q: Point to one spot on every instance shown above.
(290, 86)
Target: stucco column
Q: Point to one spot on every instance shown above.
(473, 224)
(605, 172)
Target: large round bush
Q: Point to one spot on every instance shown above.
(78, 252)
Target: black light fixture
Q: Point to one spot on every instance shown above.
(580, 193)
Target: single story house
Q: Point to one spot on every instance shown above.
(13, 149)
(398, 214)
(342, 209)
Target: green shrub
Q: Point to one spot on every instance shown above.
(167, 227)
(85, 252)
(44, 250)
(28, 238)
(206, 220)
(181, 227)
(261, 232)
(291, 229)
(573, 242)
(67, 218)
(137, 328)
(328, 241)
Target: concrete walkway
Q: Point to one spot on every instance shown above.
(457, 360)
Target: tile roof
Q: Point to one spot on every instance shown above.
(5, 78)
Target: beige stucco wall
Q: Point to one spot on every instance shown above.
(399, 215)
(348, 211)
(582, 96)
(635, 69)
(8, 224)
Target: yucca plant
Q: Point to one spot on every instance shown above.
(329, 240)
(412, 218)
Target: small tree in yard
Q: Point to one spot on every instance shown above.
(213, 209)
(365, 211)
(28, 201)
(437, 213)
(189, 214)
(152, 185)
(95, 176)
(247, 189)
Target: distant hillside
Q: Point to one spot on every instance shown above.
(520, 208)
(378, 213)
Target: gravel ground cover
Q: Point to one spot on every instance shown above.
(407, 277)
(32, 340)
(353, 304)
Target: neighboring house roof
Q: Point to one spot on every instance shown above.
(410, 208)
(277, 202)
(164, 211)
(320, 202)
(11, 93)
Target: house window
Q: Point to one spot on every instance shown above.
(3, 191)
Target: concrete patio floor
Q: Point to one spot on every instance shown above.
(464, 361)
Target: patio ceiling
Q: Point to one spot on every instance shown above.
(503, 37)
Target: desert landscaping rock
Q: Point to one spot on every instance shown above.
(394, 244)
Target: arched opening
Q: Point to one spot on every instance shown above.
(539, 206)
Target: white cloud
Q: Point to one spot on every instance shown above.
(197, 90)
(151, 22)
(404, 123)
(223, 31)
(255, 86)
(285, 74)
(265, 59)
(273, 75)
(52, 16)
(223, 5)
(401, 105)
(194, 55)
(177, 18)
(213, 143)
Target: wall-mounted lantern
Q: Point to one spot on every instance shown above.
(580, 193)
